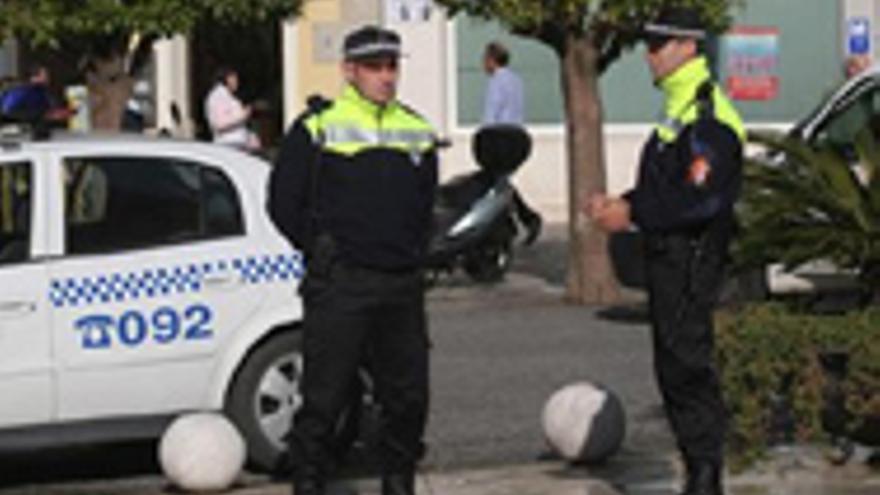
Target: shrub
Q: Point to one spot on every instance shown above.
(772, 379)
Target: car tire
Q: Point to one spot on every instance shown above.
(748, 286)
(489, 264)
(263, 398)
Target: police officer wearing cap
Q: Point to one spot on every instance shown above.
(353, 187)
(689, 179)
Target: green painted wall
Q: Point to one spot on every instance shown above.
(809, 66)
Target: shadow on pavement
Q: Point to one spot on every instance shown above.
(88, 463)
(629, 473)
(636, 314)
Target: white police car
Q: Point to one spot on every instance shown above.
(140, 278)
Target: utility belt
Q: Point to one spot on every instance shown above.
(324, 258)
(658, 244)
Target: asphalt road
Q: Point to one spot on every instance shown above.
(498, 354)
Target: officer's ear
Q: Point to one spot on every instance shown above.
(690, 46)
(348, 70)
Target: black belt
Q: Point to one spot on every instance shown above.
(660, 243)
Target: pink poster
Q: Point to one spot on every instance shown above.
(752, 55)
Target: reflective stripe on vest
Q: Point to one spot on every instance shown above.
(354, 124)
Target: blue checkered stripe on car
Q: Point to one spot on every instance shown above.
(154, 282)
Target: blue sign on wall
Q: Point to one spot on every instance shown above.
(858, 36)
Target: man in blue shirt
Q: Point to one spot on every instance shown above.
(504, 92)
(504, 104)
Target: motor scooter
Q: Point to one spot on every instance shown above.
(478, 215)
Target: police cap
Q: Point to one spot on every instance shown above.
(371, 42)
(674, 22)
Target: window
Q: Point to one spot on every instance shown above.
(122, 203)
(809, 65)
(15, 212)
(857, 113)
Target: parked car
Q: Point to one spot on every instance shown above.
(834, 124)
(139, 279)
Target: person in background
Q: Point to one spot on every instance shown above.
(856, 64)
(226, 115)
(505, 103)
(505, 99)
(33, 100)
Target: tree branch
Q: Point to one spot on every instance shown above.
(140, 56)
(609, 53)
(553, 34)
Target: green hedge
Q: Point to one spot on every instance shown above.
(768, 354)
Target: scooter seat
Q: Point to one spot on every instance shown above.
(501, 148)
(463, 190)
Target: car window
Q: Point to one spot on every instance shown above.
(859, 114)
(15, 212)
(221, 207)
(123, 203)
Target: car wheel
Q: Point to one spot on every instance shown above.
(264, 397)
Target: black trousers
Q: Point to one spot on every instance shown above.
(350, 312)
(684, 279)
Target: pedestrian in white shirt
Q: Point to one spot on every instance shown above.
(504, 92)
(226, 115)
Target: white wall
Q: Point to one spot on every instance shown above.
(172, 81)
(543, 180)
(424, 68)
(8, 59)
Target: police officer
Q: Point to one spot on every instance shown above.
(353, 186)
(689, 178)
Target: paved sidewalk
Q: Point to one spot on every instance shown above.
(800, 473)
(627, 476)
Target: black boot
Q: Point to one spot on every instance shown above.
(532, 222)
(703, 478)
(308, 486)
(308, 481)
(399, 484)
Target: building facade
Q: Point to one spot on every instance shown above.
(779, 60)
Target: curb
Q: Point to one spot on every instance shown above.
(531, 479)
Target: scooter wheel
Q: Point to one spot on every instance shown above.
(489, 265)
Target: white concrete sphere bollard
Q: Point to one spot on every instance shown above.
(584, 422)
(202, 452)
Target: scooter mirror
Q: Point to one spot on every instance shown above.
(501, 148)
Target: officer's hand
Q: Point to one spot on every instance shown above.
(593, 205)
(614, 215)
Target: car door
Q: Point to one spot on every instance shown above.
(156, 276)
(855, 114)
(25, 351)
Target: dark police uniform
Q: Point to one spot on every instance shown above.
(689, 178)
(354, 186)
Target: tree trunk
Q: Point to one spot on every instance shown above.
(110, 87)
(591, 279)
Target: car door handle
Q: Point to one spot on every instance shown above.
(222, 281)
(17, 308)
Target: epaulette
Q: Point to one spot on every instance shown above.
(412, 111)
(315, 105)
(705, 105)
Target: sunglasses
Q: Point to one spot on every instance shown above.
(380, 65)
(656, 43)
